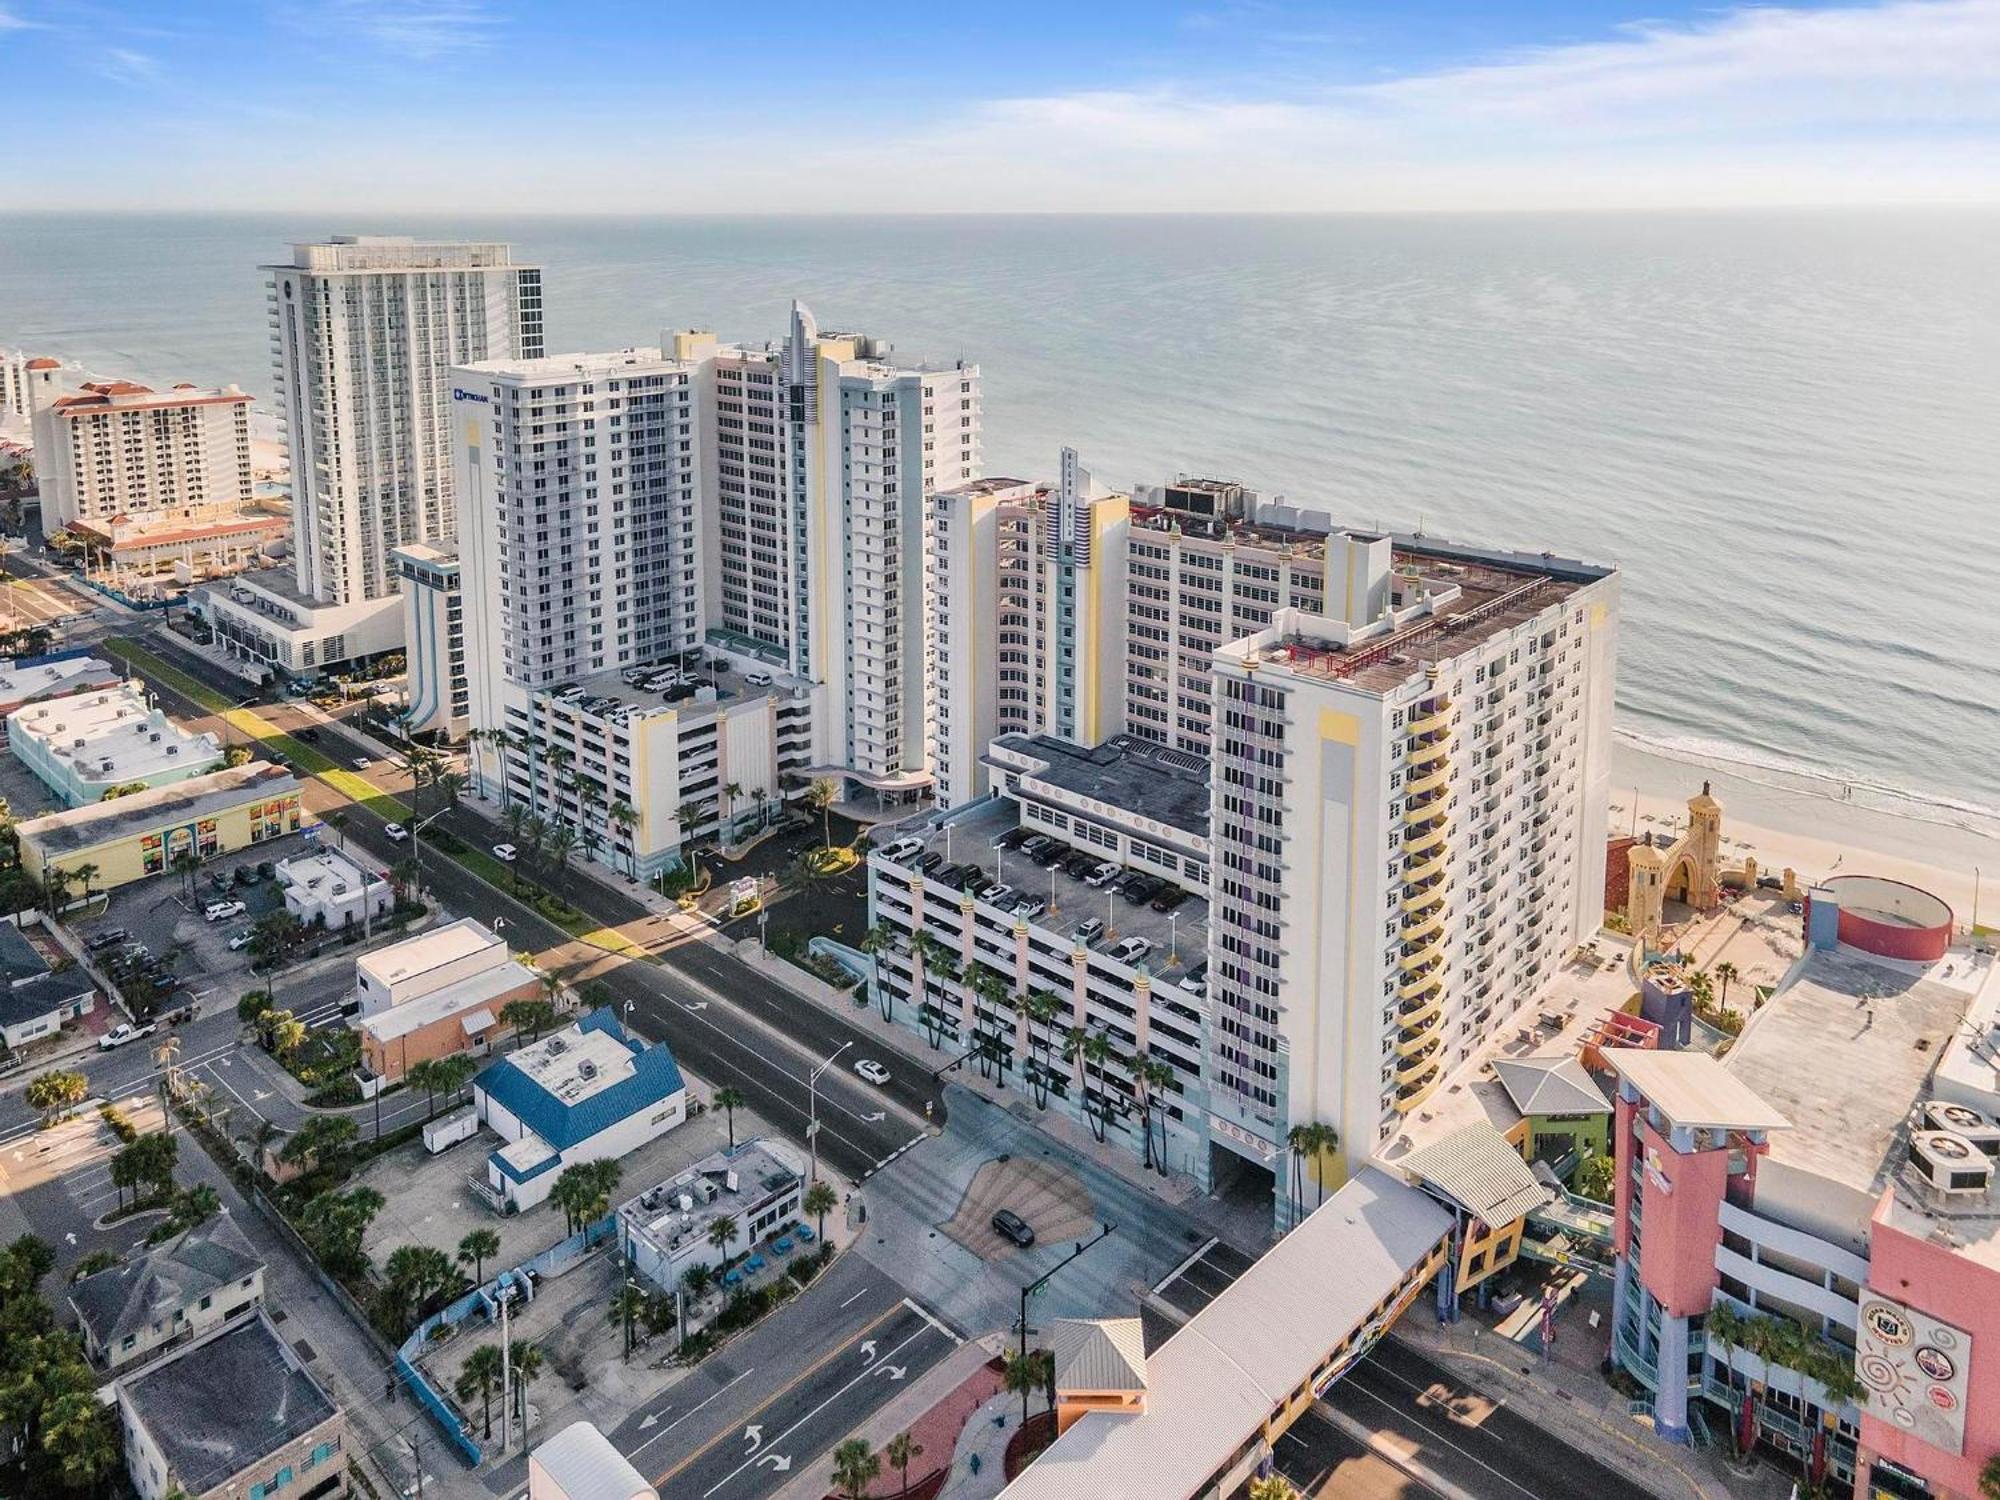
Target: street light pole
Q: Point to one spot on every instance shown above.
(1043, 1280)
(812, 1106)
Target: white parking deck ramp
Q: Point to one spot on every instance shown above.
(1261, 1343)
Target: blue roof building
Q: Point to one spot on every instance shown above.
(585, 1093)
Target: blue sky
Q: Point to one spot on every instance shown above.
(1106, 104)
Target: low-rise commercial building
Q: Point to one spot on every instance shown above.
(332, 889)
(272, 627)
(586, 1093)
(86, 745)
(234, 1415)
(759, 1187)
(581, 1463)
(168, 1294)
(37, 681)
(435, 995)
(36, 1000)
(130, 838)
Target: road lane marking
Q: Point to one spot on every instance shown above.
(681, 1418)
(842, 1391)
(807, 1373)
(1396, 1441)
(936, 1322)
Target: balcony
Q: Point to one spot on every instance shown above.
(1421, 810)
(1412, 1068)
(1431, 838)
(1412, 1038)
(1430, 781)
(1421, 898)
(1420, 958)
(1436, 722)
(1420, 985)
(1426, 928)
(1434, 753)
(1410, 1017)
(1418, 870)
(1414, 1094)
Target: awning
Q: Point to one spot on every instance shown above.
(478, 1021)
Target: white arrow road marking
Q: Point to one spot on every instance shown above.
(868, 1348)
(692, 1004)
(878, 1115)
(652, 1419)
(778, 1461)
(755, 1434)
(895, 1372)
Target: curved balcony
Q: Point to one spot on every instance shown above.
(1431, 838)
(1423, 958)
(1417, 985)
(1410, 1016)
(1411, 1037)
(1410, 1069)
(1423, 809)
(1422, 897)
(1424, 756)
(1435, 722)
(1429, 781)
(1419, 1089)
(1426, 928)
(1417, 870)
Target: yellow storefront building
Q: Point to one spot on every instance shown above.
(130, 838)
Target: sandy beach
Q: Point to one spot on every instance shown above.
(1807, 825)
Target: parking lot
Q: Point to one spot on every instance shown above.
(989, 840)
(56, 1183)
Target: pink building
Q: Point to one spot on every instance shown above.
(1824, 1193)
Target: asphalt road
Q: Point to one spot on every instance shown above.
(1320, 1459)
(725, 1021)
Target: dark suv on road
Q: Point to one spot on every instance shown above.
(1010, 1225)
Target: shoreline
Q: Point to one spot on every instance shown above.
(1802, 824)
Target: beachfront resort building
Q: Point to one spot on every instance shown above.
(365, 331)
(1401, 749)
(13, 386)
(117, 449)
(88, 744)
(589, 1092)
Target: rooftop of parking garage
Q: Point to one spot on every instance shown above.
(972, 838)
(719, 687)
(1126, 774)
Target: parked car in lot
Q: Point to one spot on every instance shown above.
(1035, 843)
(505, 852)
(1132, 950)
(1139, 889)
(1011, 1226)
(757, 679)
(1195, 981)
(1033, 906)
(1013, 838)
(1090, 931)
(930, 862)
(238, 941)
(1103, 875)
(1079, 864)
(1050, 855)
(1169, 898)
(999, 895)
(118, 1036)
(222, 911)
(903, 848)
(110, 937)
(871, 1070)
(395, 832)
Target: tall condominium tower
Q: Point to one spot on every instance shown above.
(118, 449)
(364, 332)
(1408, 830)
(825, 448)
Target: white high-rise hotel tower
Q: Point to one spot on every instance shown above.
(364, 332)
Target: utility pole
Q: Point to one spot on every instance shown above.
(506, 1370)
(1043, 1280)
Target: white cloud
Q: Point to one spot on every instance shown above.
(416, 29)
(127, 65)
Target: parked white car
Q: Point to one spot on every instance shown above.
(505, 852)
(118, 1036)
(1132, 950)
(238, 941)
(222, 911)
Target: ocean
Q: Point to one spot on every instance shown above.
(1784, 427)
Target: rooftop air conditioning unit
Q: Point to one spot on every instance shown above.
(585, 1068)
(1950, 1163)
(1975, 1125)
(76, 744)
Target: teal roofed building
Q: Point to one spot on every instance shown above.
(586, 1093)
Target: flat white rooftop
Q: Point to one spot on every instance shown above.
(431, 950)
(461, 995)
(111, 735)
(321, 872)
(19, 683)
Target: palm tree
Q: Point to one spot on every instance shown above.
(1041, 1009)
(855, 1467)
(819, 1201)
(946, 970)
(337, 821)
(478, 1246)
(624, 817)
(1726, 971)
(526, 1360)
(987, 989)
(902, 1450)
(720, 1233)
(821, 794)
(1088, 1050)
(1325, 1141)
(697, 1279)
(876, 941)
(1299, 1141)
(424, 1075)
(480, 1378)
(1151, 1078)
(502, 741)
(1025, 1376)
(730, 794)
(1272, 1487)
(85, 873)
(185, 863)
(729, 1100)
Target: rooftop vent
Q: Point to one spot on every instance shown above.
(1950, 1163)
(1975, 1125)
